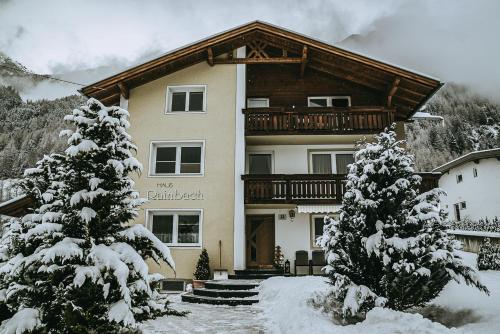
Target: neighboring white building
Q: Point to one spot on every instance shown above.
(472, 183)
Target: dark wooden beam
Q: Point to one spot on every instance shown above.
(303, 62)
(278, 60)
(392, 90)
(124, 91)
(339, 73)
(210, 59)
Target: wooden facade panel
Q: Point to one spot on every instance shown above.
(284, 87)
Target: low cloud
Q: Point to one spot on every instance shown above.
(454, 40)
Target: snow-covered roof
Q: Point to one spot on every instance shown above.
(477, 155)
(16, 206)
(426, 116)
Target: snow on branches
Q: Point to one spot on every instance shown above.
(76, 263)
(390, 246)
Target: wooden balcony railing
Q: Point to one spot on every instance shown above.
(306, 188)
(316, 120)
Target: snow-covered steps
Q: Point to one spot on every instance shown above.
(226, 292)
(256, 273)
(190, 298)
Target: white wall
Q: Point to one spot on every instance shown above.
(293, 159)
(291, 235)
(481, 193)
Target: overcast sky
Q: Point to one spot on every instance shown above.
(454, 40)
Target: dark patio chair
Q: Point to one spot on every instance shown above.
(301, 260)
(318, 260)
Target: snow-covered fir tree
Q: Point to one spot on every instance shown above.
(389, 247)
(76, 265)
(202, 271)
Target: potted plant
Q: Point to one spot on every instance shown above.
(202, 273)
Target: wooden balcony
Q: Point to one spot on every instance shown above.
(316, 120)
(306, 188)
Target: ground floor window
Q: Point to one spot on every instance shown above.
(317, 225)
(176, 228)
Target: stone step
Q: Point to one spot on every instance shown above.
(225, 293)
(252, 271)
(254, 276)
(231, 285)
(190, 298)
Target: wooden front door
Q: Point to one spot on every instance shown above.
(260, 241)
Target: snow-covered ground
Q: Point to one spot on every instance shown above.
(284, 308)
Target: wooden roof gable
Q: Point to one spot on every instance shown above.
(406, 91)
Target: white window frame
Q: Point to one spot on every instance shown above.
(333, 157)
(247, 162)
(329, 99)
(187, 89)
(175, 227)
(458, 178)
(178, 144)
(266, 99)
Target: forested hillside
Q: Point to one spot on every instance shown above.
(28, 130)
(471, 122)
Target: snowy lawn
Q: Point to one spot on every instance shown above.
(284, 308)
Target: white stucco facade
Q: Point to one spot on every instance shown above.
(480, 190)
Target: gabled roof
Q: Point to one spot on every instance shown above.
(472, 156)
(407, 89)
(16, 207)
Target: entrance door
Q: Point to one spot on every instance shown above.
(260, 241)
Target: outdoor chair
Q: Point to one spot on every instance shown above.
(301, 260)
(318, 260)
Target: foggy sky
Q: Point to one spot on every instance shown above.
(454, 40)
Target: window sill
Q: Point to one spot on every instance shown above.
(176, 175)
(184, 112)
(183, 247)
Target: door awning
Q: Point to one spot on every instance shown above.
(318, 208)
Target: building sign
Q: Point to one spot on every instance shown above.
(167, 192)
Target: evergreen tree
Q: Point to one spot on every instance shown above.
(202, 267)
(489, 256)
(75, 265)
(390, 246)
(278, 257)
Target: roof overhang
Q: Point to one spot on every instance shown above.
(406, 90)
(472, 156)
(16, 207)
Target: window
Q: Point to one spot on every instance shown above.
(343, 160)
(322, 163)
(318, 224)
(463, 205)
(325, 162)
(260, 163)
(474, 172)
(457, 212)
(329, 101)
(257, 102)
(186, 98)
(460, 178)
(176, 228)
(176, 158)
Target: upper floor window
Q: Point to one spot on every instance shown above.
(258, 102)
(460, 178)
(186, 98)
(474, 172)
(173, 158)
(325, 162)
(176, 228)
(260, 163)
(329, 101)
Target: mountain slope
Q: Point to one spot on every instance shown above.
(471, 122)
